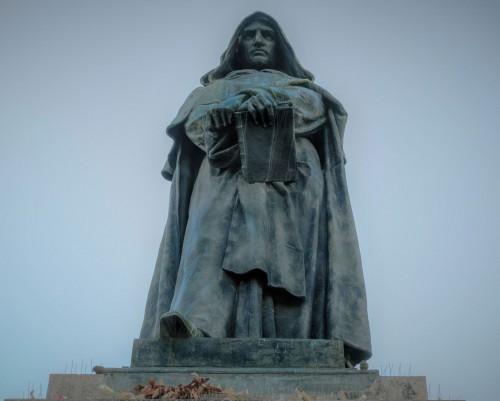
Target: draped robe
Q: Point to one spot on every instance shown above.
(277, 259)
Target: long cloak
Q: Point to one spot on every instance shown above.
(344, 312)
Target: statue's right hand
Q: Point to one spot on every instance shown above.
(220, 115)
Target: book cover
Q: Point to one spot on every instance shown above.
(267, 153)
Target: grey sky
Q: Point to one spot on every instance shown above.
(86, 91)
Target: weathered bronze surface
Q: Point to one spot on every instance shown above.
(274, 256)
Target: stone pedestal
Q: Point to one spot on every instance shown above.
(261, 366)
(253, 369)
(287, 385)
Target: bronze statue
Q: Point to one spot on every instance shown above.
(266, 257)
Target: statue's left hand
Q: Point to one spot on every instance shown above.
(261, 107)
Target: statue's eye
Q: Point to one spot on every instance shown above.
(248, 35)
(268, 35)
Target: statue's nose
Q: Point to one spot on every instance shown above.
(258, 38)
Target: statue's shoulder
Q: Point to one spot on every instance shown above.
(203, 95)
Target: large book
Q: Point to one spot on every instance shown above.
(267, 153)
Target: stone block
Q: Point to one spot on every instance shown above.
(77, 387)
(238, 352)
(270, 382)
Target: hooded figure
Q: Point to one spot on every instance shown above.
(262, 259)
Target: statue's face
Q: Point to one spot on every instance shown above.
(258, 46)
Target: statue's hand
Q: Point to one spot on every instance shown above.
(220, 115)
(261, 107)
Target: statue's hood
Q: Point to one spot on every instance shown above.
(290, 65)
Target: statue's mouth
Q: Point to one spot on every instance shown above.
(259, 52)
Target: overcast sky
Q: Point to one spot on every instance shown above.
(86, 91)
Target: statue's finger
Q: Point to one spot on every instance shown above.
(269, 108)
(229, 117)
(260, 110)
(216, 119)
(210, 120)
(251, 109)
(222, 116)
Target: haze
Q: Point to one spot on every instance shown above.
(86, 92)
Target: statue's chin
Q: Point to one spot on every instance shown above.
(258, 64)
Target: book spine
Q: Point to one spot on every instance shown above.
(241, 124)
